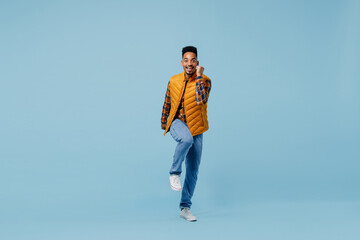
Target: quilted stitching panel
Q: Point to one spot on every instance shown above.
(195, 114)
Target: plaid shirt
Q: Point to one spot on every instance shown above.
(201, 94)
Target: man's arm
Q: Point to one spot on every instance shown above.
(166, 109)
(202, 87)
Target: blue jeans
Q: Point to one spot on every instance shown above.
(188, 147)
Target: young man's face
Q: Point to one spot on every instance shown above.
(189, 63)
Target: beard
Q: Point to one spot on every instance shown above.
(190, 72)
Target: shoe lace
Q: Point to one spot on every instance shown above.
(177, 180)
(187, 212)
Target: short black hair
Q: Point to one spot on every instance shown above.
(189, 49)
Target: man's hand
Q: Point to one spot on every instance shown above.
(163, 126)
(199, 71)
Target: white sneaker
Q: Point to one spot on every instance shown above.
(186, 214)
(175, 183)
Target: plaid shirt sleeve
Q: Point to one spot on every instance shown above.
(202, 90)
(166, 107)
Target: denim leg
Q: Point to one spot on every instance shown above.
(181, 133)
(192, 168)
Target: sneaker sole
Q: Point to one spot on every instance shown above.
(174, 188)
(194, 220)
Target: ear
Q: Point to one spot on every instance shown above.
(182, 63)
(197, 63)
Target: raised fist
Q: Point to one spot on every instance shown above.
(199, 71)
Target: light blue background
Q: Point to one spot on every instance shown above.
(82, 154)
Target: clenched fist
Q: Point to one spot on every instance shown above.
(199, 71)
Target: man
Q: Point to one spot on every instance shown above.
(184, 114)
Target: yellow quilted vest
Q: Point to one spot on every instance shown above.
(196, 115)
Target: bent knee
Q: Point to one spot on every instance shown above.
(188, 140)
